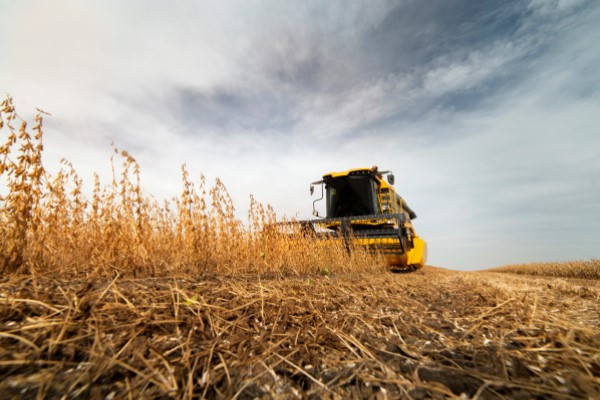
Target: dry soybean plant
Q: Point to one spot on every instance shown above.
(48, 225)
(581, 269)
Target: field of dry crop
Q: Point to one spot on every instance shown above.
(118, 297)
(431, 334)
(582, 269)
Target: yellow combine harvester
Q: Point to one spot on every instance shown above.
(365, 210)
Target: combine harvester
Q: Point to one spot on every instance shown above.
(365, 210)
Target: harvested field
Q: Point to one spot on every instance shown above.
(431, 334)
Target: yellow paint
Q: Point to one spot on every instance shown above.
(417, 256)
(389, 202)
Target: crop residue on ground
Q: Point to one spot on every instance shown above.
(433, 334)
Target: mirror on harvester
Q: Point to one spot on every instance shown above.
(391, 179)
(312, 189)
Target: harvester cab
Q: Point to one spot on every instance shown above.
(351, 193)
(365, 209)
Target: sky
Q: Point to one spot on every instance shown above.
(488, 113)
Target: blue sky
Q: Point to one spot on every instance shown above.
(487, 112)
